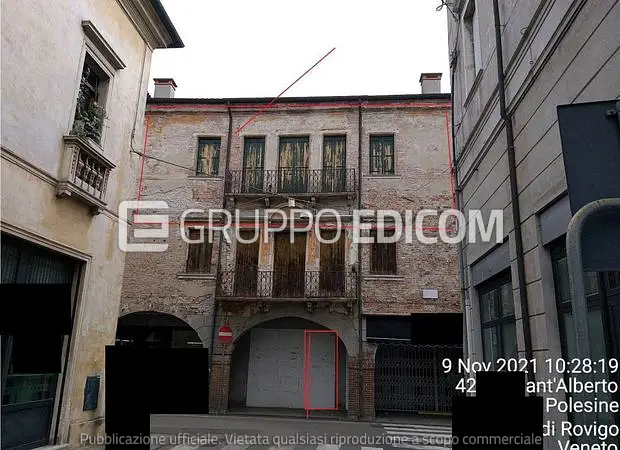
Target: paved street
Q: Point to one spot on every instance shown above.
(275, 433)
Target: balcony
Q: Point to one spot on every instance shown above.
(288, 285)
(310, 182)
(84, 173)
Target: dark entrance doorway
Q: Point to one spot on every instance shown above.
(28, 399)
(155, 330)
(409, 376)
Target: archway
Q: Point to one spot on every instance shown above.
(267, 367)
(155, 330)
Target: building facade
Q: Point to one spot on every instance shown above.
(298, 308)
(512, 159)
(74, 86)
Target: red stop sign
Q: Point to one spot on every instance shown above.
(225, 334)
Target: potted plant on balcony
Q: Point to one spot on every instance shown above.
(89, 116)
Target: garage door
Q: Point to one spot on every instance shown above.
(275, 372)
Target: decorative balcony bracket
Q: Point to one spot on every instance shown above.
(84, 173)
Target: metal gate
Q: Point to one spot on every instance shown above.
(28, 399)
(411, 378)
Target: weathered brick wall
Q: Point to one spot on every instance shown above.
(421, 181)
(155, 281)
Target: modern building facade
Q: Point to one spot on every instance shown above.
(74, 85)
(307, 314)
(512, 159)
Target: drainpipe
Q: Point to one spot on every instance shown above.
(461, 254)
(514, 193)
(218, 276)
(359, 262)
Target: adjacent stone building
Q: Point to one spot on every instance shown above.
(553, 53)
(74, 86)
(298, 310)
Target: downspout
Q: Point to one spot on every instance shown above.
(359, 263)
(514, 193)
(218, 275)
(461, 254)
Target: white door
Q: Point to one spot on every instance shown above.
(275, 369)
(322, 382)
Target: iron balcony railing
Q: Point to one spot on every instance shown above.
(287, 283)
(291, 181)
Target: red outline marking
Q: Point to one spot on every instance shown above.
(194, 224)
(143, 156)
(308, 367)
(368, 104)
(451, 162)
(281, 93)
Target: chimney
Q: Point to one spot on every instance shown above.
(431, 83)
(164, 88)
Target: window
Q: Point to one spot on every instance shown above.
(199, 254)
(253, 165)
(596, 315)
(208, 161)
(90, 106)
(497, 317)
(472, 40)
(293, 161)
(382, 255)
(382, 155)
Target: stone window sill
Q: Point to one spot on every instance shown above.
(196, 276)
(205, 177)
(384, 277)
(382, 177)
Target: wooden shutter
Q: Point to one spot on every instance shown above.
(253, 164)
(382, 255)
(289, 265)
(382, 154)
(198, 255)
(334, 163)
(208, 156)
(246, 265)
(332, 266)
(293, 164)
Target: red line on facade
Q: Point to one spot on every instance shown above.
(300, 105)
(337, 368)
(451, 162)
(308, 366)
(282, 93)
(189, 224)
(143, 157)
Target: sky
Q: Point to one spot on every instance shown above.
(256, 48)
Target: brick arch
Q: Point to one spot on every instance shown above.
(163, 308)
(189, 321)
(233, 372)
(346, 337)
